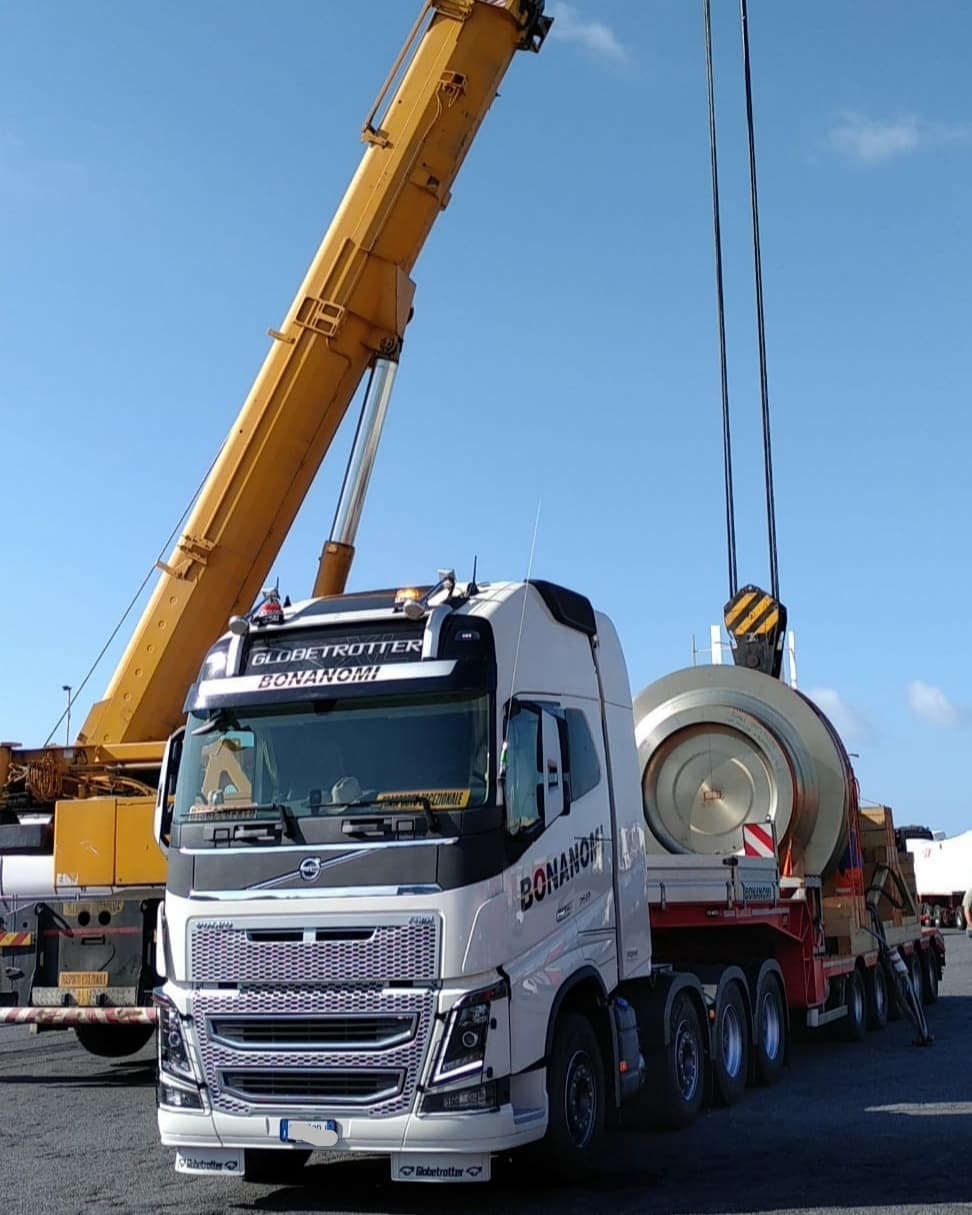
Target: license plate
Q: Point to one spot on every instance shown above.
(82, 978)
(322, 1134)
(203, 1161)
(440, 1167)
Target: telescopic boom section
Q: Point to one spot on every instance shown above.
(353, 306)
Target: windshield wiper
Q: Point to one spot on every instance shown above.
(397, 804)
(284, 823)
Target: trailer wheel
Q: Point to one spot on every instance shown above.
(917, 978)
(274, 1166)
(576, 1095)
(854, 1025)
(878, 996)
(113, 1041)
(931, 975)
(769, 1048)
(730, 1047)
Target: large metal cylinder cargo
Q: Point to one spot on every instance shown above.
(722, 746)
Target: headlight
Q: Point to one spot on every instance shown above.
(463, 1048)
(173, 1052)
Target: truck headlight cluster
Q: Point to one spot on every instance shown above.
(173, 1051)
(463, 1049)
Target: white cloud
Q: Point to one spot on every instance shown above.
(871, 141)
(850, 723)
(932, 705)
(595, 35)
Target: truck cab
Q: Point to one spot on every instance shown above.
(405, 843)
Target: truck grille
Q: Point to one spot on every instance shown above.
(361, 1032)
(292, 954)
(358, 1044)
(321, 1086)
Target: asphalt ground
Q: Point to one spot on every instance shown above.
(881, 1126)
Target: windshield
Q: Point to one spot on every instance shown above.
(325, 758)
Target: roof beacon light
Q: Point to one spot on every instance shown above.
(270, 610)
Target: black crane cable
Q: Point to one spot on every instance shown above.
(720, 308)
(761, 329)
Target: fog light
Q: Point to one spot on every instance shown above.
(483, 1098)
(174, 1096)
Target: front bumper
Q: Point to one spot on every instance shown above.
(487, 1132)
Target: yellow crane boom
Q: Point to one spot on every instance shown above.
(353, 304)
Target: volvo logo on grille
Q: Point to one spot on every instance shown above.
(310, 868)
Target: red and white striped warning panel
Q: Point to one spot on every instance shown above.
(16, 940)
(78, 1016)
(758, 840)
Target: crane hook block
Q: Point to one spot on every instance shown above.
(756, 622)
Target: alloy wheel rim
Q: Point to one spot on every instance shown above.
(580, 1099)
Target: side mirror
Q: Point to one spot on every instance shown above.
(553, 775)
(165, 797)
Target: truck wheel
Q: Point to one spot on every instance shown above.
(113, 1041)
(730, 1048)
(770, 1045)
(876, 990)
(674, 1073)
(931, 975)
(576, 1096)
(854, 1025)
(915, 970)
(274, 1166)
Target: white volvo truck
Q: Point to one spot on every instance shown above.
(410, 877)
(397, 917)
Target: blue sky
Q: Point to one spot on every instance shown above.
(166, 173)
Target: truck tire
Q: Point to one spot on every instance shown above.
(576, 1097)
(274, 1166)
(854, 1025)
(917, 976)
(730, 1047)
(878, 996)
(674, 1072)
(769, 1046)
(113, 1041)
(931, 975)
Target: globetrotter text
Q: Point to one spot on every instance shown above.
(400, 648)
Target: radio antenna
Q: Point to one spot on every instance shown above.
(472, 588)
(526, 580)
